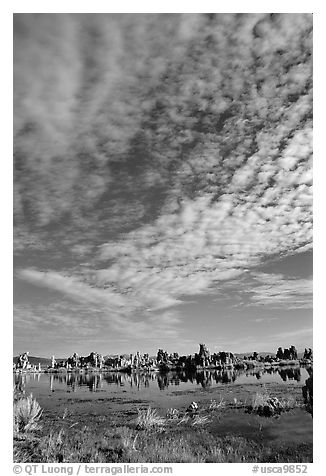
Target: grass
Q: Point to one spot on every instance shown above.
(179, 437)
(266, 405)
(172, 414)
(148, 419)
(200, 420)
(217, 405)
(128, 445)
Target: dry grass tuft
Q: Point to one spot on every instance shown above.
(265, 405)
(200, 420)
(214, 405)
(149, 419)
(172, 414)
(289, 402)
(184, 419)
(27, 413)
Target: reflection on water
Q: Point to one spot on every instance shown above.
(206, 378)
(290, 374)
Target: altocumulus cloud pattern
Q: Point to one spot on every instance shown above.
(166, 153)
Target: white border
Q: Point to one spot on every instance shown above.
(94, 6)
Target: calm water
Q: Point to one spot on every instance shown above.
(72, 400)
(149, 385)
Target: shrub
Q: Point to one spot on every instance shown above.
(27, 413)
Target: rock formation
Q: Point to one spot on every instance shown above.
(307, 391)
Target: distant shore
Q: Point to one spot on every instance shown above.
(244, 365)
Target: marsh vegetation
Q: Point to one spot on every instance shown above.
(218, 427)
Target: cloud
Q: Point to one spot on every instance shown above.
(89, 128)
(264, 319)
(276, 291)
(307, 331)
(94, 308)
(209, 241)
(168, 151)
(79, 91)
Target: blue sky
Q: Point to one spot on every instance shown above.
(162, 182)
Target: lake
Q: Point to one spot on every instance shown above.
(151, 387)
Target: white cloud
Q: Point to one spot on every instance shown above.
(278, 292)
(94, 308)
(190, 251)
(133, 105)
(264, 319)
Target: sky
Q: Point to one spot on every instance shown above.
(162, 182)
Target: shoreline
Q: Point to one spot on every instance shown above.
(247, 365)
